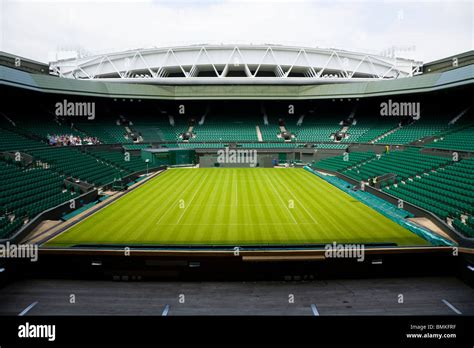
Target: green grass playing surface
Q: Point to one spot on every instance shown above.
(236, 206)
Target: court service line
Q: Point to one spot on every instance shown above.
(27, 309)
(192, 198)
(281, 199)
(172, 198)
(302, 205)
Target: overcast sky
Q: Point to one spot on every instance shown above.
(424, 30)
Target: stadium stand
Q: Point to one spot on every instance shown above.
(447, 191)
(48, 127)
(10, 140)
(421, 175)
(107, 132)
(221, 125)
(404, 164)
(198, 145)
(135, 146)
(71, 161)
(225, 131)
(156, 131)
(416, 131)
(437, 184)
(331, 146)
(26, 192)
(270, 132)
(467, 227)
(315, 130)
(368, 129)
(340, 163)
(264, 145)
(158, 128)
(419, 172)
(129, 163)
(460, 140)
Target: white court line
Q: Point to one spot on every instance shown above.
(236, 206)
(236, 193)
(192, 198)
(454, 309)
(248, 224)
(26, 310)
(172, 205)
(315, 310)
(165, 311)
(306, 210)
(281, 199)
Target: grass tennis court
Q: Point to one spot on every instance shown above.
(236, 206)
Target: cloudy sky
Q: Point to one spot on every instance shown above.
(424, 30)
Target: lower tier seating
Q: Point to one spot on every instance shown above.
(120, 160)
(225, 131)
(368, 129)
(71, 161)
(10, 140)
(340, 163)
(159, 131)
(462, 140)
(404, 164)
(466, 227)
(26, 192)
(45, 127)
(314, 132)
(415, 131)
(447, 191)
(434, 183)
(107, 133)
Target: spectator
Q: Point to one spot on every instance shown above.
(71, 140)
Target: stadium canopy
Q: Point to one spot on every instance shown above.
(98, 88)
(235, 64)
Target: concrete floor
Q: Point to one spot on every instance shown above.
(421, 296)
